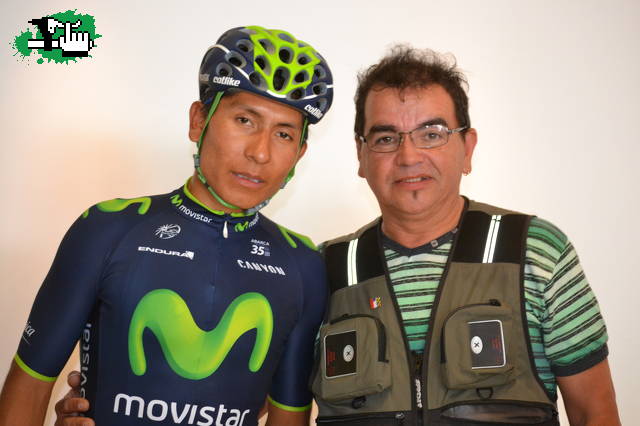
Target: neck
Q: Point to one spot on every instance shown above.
(416, 229)
(203, 195)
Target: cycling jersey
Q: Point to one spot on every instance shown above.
(184, 315)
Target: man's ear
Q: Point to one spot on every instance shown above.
(197, 117)
(470, 141)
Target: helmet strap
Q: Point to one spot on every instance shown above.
(292, 172)
(196, 157)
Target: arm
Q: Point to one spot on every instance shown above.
(57, 317)
(24, 398)
(279, 417)
(589, 397)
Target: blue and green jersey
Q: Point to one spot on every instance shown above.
(184, 315)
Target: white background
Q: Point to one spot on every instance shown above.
(554, 96)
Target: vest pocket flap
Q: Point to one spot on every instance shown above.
(475, 346)
(353, 358)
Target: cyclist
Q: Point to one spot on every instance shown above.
(191, 307)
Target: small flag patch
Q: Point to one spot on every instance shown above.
(375, 302)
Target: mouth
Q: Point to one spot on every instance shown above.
(248, 177)
(413, 179)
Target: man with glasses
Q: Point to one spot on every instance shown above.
(446, 310)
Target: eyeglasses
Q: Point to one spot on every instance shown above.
(430, 136)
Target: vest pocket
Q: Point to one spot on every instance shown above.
(353, 359)
(475, 345)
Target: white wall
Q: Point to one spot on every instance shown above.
(553, 95)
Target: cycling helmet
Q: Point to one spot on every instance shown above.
(271, 63)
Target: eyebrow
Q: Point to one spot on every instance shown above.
(392, 128)
(251, 110)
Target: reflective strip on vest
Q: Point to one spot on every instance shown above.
(492, 235)
(352, 267)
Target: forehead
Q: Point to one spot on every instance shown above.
(261, 105)
(408, 107)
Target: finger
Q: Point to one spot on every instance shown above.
(71, 406)
(73, 379)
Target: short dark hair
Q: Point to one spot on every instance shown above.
(405, 67)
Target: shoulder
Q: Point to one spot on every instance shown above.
(299, 243)
(350, 237)
(110, 219)
(546, 236)
(301, 250)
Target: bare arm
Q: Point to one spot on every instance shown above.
(24, 399)
(589, 397)
(279, 417)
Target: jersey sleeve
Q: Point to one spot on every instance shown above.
(573, 331)
(65, 300)
(290, 386)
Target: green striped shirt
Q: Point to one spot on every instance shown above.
(564, 321)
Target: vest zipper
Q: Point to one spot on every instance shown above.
(407, 351)
(382, 334)
(372, 416)
(491, 302)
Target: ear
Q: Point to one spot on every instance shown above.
(470, 141)
(197, 117)
(301, 151)
(359, 153)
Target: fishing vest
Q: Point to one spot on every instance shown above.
(478, 366)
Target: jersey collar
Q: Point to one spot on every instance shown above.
(186, 204)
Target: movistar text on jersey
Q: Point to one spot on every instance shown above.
(177, 413)
(191, 213)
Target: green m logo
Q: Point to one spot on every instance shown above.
(183, 343)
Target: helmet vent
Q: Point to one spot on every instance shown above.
(256, 79)
(319, 89)
(268, 46)
(280, 78)
(223, 69)
(321, 104)
(303, 59)
(244, 46)
(301, 77)
(263, 64)
(295, 95)
(285, 55)
(285, 37)
(235, 59)
(319, 72)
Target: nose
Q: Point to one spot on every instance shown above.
(408, 154)
(259, 148)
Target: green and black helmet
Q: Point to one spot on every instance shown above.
(271, 63)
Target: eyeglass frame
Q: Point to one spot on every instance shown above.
(443, 127)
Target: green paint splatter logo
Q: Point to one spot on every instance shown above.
(59, 38)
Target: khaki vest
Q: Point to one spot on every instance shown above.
(479, 368)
